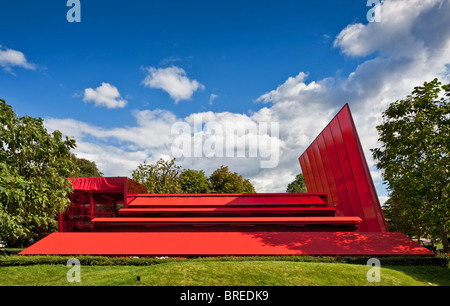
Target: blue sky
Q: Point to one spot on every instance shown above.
(237, 49)
(119, 79)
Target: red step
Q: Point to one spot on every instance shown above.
(231, 223)
(227, 210)
(214, 200)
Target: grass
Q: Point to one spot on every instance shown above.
(226, 273)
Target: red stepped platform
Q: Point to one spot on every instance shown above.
(341, 217)
(227, 212)
(314, 230)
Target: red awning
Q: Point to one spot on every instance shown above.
(94, 184)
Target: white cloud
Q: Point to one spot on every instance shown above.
(118, 151)
(396, 34)
(172, 80)
(302, 108)
(105, 95)
(383, 199)
(152, 130)
(10, 58)
(212, 97)
(413, 46)
(292, 89)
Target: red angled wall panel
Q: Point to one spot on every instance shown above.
(321, 170)
(308, 174)
(343, 206)
(333, 193)
(359, 164)
(335, 164)
(314, 171)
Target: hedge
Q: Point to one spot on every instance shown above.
(17, 260)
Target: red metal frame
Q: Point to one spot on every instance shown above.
(334, 163)
(95, 197)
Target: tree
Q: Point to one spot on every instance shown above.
(86, 168)
(224, 181)
(247, 187)
(194, 181)
(34, 166)
(167, 177)
(298, 185)
(414, 157)
(161, 177)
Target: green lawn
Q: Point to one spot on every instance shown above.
(222, 273)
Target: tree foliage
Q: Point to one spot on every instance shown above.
(34, 166)
(85, 168)
(298, 185)
(414, 157)
(168, 177)
(224, 181)
(161, 177)
(194, 181)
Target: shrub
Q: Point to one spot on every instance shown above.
(18, 260)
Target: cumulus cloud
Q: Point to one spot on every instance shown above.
(118, 151)
(409, 46)
(396, 33)
(105, 95)
(172, 80)
(10, 58)
(151, 138)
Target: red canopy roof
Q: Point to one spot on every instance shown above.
(92, 184)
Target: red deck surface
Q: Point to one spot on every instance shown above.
(227, 243)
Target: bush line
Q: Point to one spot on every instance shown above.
(17, 260)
